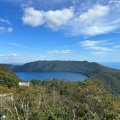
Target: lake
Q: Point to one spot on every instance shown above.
(45, 75)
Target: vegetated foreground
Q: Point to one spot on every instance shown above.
(60, 100)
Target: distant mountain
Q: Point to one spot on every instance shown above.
(110, 77)
(7, 77)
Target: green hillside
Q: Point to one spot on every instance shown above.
(7, 77)
(110, 77)
(84, 67)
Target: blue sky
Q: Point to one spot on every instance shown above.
(32, 30)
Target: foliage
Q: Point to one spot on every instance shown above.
(111, 81)
(7, 77)
(87, 100)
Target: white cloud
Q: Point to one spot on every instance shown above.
(57, 18)
(10, 55)
(60, 52)
(97, 18)
(94, 13)
(97, 46)
(5, 21)
(92, 22)
(89, 43)
(13, 55)
(18, 56)
(100, 48)
(52, 19)
(5, 29)
(9, 29)
(33, 17)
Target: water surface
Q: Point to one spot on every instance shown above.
(46, 75)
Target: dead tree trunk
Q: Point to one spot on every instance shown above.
(14, 106)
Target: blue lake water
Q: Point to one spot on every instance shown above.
(46, 75)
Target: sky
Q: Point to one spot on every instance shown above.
(32, 30)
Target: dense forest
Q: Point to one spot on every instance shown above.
(54, 99)
(110, 77)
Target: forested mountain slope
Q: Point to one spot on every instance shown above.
(110, 77)
(7, 77)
